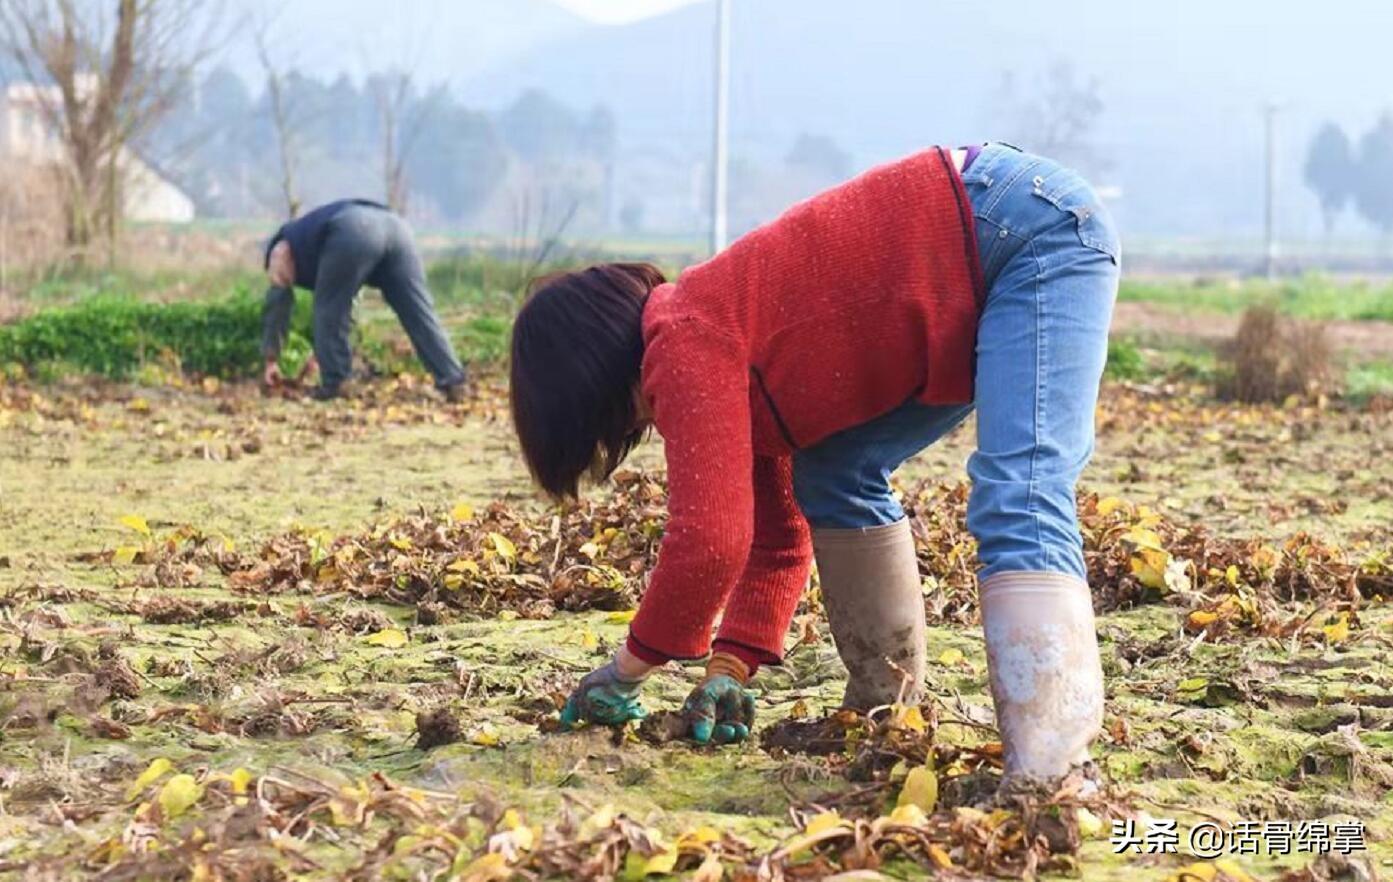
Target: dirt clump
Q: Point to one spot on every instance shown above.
(116, 677)
(437, 727)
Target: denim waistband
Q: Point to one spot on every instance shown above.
(998, 160)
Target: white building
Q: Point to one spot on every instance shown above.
(27, 137)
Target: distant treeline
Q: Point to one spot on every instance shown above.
(1343, 172)
(222, 144)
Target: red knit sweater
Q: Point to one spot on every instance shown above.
(842, 309)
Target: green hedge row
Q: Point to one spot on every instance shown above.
(117, 336)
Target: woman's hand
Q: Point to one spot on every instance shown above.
(608, 696)
(720, 709)
(271, 374)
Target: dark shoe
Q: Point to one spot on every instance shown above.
(329, 393)
(456, 394)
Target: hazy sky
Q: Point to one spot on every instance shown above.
(620, 11)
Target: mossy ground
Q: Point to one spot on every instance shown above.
(293, 681)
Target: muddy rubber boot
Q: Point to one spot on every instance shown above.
(1045, 674)
(875, 607)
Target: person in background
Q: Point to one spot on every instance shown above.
(790, 376)
(333, 251)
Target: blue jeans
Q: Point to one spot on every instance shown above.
(1049, 254)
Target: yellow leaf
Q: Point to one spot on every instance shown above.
(389, 638)
(920, 789)
(1231, 576)
(464, 565)
(698, 839)
(939, 857)
(462, 512)
(1204, 871)
(1090, 825)
(1193, 684)
(1109, 504)
(241, 778)
(1200, 618)
(623, 617)
(401, 543)
(590, 550)
(484, 736)
(662, 861)
(523, 838)
(1149, 566)
(909, 815)
(179, 795)
(588, 639)
(908, 718)
(136, 523)
(508, 615)
(1265, 560)
(600, 819)
(158, 768)
(1233, 870)
(950, 657)
(126, 554)
(824, 826)
(824, 822)
(492, 867)
(1337, 632)
(504, 546)
(453, 581)
(1143, 538)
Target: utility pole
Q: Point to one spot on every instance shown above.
(1270, 217)
(719, 181)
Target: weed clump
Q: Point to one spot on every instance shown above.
(1272, 358)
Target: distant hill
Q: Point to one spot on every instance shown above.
(1183, 83)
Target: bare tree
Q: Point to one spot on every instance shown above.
(402, 116)
(101, 83)
(540, 219)
(286, 144)
(1056, 114)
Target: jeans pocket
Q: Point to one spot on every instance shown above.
(1092, 221)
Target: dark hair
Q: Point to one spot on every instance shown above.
(576, 357)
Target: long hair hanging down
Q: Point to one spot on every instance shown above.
(577, 352)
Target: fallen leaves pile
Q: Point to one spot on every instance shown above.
(211, 825)
(497, 561)
(507, 562)
(219, 421)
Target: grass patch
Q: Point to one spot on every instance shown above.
(1369, 379)
(1310, 297)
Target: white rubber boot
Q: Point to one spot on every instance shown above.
(1046, 677)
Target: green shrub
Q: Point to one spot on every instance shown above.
(484, 338)
(1125, 361)
(116, 336)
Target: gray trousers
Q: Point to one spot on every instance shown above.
(366, 245)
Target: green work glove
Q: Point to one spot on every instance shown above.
(720, 709)
(604, 697)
